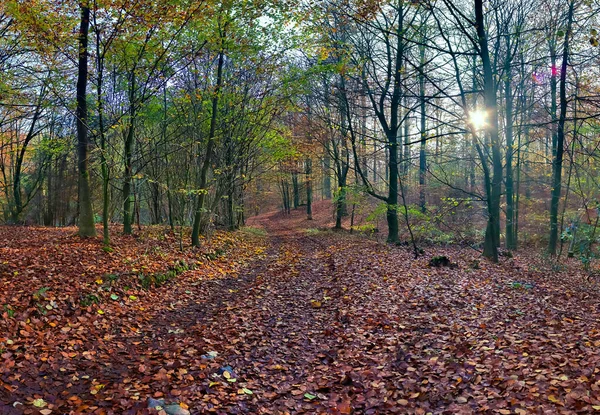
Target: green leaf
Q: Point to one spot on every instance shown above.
(114, 297)
(309, 396)
(39, 403)
(247, 391)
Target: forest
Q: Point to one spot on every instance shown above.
(299, 207)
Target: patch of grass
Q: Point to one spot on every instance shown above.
(10, 313)
(89, 299)
(521, 285)
(158, 279)
(180, 266)
(111, 278)
(368, 228)
(313, 231)
(41, 293)
(217, 253)
(250, 230)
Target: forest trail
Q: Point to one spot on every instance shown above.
(320, 322)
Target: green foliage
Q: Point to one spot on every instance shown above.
(156, 280)
(40, 294)
(250, 230)
(367, 228)
(89, 299)
(10, 312)
(111, 278)
(583, 239)
(215, 254)
(313, 231)
(517, 285)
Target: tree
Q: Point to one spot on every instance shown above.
(86, 214)
(557, 163)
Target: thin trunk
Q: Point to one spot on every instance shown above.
(327, 173)
(510, 200)
(422, 151)
(309, 188)
(101, 132)
(202, 185)
(296, 190)
(558, 159)
(128, 171)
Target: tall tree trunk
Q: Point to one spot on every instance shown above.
(202, 185)
(101, 132)
(405, 125)
(508, 98)
(392, 199)
(128, 213)
(422, 151)
(560, 138)
(492, 236)
(553, 86)
(473, 137)
(86, 214)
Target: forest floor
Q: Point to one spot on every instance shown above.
(300, 320)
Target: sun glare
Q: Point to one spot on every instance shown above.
(477, 119)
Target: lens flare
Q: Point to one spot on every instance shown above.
(477, 119)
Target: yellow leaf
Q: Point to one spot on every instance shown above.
(39, 403)
(315, 303)
(554, 399)
(100, 312)
(46, 411)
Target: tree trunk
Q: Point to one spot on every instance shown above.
(101, 132)
(128, 171)
(296, 190)
(202, 185)
(86, 214)
(422, 152)
(492, 237)
(392, 199)
(560, 138)
(327, 174)
(508, 98)
(308, 188)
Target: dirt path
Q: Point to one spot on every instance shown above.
(277, 325)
